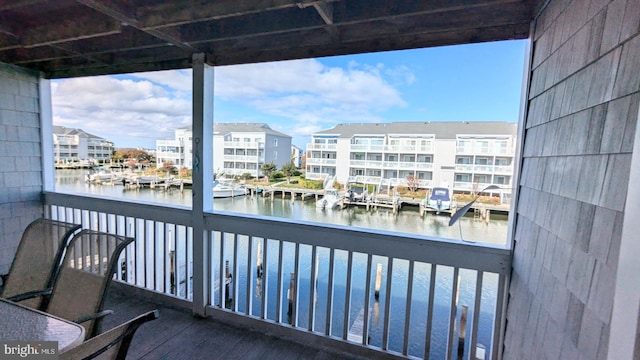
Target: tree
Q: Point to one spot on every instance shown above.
(268, 169)
(289, 170)
(413, 183)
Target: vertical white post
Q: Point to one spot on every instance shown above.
(626, 301)
(46, 135)
(202, 190)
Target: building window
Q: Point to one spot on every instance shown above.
(500, 180)
(275, 155)
(462, 177)
(275, 142)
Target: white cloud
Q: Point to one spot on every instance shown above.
(308, 91)
(309, 95)
(119, 109)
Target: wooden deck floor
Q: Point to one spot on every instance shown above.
(176, 334)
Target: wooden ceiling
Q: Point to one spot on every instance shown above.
(66, 38)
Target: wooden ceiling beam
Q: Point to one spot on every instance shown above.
(128, 17)
(225, 56)
(80, 27)
(191, 11)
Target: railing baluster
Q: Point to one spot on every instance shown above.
(265, 277)
(296, 286)
(387, 306)
(432, 290)
(329, 315)
(249, 276)
(150, 252)
(498, 318)
(452, 313)
(367, 295)
(313, 278)
(476, 315)
(188, 256)
(407, 314)
(235, 273)
(222, 284)
(347, 300)
(279, 289)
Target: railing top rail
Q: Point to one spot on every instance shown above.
(179, 215)
(433, 250)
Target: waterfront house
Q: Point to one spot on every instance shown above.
(74, 145)
(243, 148)
(462, 156)
(567, 283)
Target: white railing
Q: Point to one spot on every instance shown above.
(245, 145)
(392, 148)
(387, 291)
(424, 166)
(318, 161)
(316, 176)
(506, 169)
(250, 158)
(321, 146)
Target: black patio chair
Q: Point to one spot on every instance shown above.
(37, 261)
(112, 344)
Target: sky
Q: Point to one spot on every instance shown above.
(475, 82)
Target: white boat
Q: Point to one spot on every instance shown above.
(100, 177)
(329, 200)
(440, 200)
(356, 192)
(226, 190)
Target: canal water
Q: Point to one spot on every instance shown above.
(408, 221)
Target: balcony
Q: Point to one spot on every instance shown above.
(318, 161)
(366, 164)
(501, 169)
(244, 145)
(244, 158)
(376, 294)
(392, 148)
(321, 146)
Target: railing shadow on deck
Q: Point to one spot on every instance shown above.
(370, 292)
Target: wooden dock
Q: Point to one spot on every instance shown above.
(357, 328)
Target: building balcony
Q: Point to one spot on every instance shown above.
(243, 158)
(470, 150)
(366, 164)
(321, 146)
(317, 161)
(392, 148)
(316, 176)
(369, 293)
(501, 169)
(243, 145)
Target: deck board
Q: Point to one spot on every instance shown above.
(176, 335)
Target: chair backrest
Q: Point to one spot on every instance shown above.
(112, 344)
(86, 272)
(37, 261)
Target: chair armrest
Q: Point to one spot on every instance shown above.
(99, 315)
(30, 295)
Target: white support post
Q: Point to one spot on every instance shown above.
(625, 316)
(202, 190)
(46, 135)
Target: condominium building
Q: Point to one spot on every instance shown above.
(464, 156)
(238, 148)
(71, 145)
